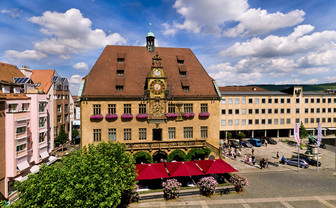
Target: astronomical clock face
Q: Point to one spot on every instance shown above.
(157, 109)
(157, 87)
(157, 72)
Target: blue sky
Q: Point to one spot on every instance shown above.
(237, 42)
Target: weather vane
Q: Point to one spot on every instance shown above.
(150, 27)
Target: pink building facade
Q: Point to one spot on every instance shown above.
(26, 128)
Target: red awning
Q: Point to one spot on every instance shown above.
(151, 171)
(188, 168)
(215, 166)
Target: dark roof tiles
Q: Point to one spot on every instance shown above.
(102, 79)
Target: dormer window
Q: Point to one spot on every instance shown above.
(183, 73)
(120, 88)
(185, 88)
(121, 60)
(180, 60)
(120, 73)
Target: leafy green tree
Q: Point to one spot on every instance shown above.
(2, 204)
(303, 132)
(229, 135)
(97, 176)
(177, 155)
(61, 138)
(207, 152)
(142, 156)
(241, 135)
(74, 133)
(195, 154)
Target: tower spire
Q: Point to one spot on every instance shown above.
(150, 39)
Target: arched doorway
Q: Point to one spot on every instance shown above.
(160, 156)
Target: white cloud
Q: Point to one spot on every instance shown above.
(81, 65)
(27, 54)
(272, 46)
(212, 17)
(298, 81)
(330, 79)
(71, 33)
(257, 21)
(12, 12)
(75, 79)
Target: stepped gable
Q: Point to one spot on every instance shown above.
(102, 80)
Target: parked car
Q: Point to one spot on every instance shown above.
(295, 162)
(235, 144)
(323, 145)
(247, 144)
(271, 141)
(255, 142)
(310, 161)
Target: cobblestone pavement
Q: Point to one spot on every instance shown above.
(327, 157)
(276, 187)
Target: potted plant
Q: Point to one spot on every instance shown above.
(239, 182)
(111, 116)
(171, 189)
(188, 115)
(96, 117)
(126, 116)
(207, 185)
(171, 115)
(142, 116)
(204, 114)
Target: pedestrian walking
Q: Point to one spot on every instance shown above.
(261, 163)
(253, 160)
(250, 159)
(266, 163)
(252, 151)
(245, 157)
(277, 155)
(265, 143)
(235, 155)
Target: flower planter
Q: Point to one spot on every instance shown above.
(126, 116)
(188, 115)
(142, 116)
(239, 189)
(96, 117)
(207, 193)
(204, 114)
(111, 116)
(171, 115)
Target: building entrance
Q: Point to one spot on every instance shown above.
(157, 134)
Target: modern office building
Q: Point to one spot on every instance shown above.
(261, 113)
(152, 99)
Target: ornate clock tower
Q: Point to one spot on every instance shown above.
(157, 91)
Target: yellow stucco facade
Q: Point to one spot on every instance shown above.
(119, 124)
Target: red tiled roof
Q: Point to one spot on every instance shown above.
(102, 80)
(44, 77)
(242, 88)
(8, 72)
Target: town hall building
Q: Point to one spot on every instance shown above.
(153, 99)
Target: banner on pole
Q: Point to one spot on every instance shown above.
(319, 134)
(296, 133)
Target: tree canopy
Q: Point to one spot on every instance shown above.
(303, 132)
(142, 156)
(96, 176)
(177, 155)
(61, 138)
